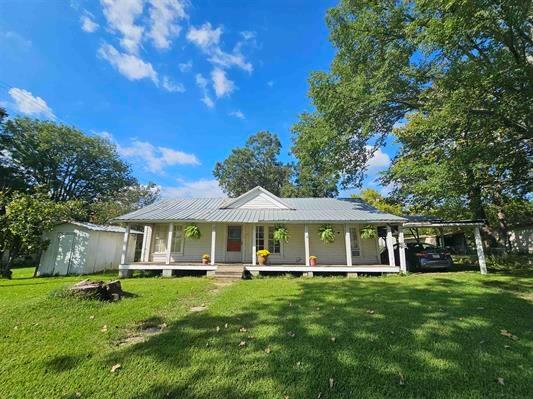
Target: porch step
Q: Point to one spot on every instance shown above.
(232, 272)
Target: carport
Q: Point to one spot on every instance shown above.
(416, 222)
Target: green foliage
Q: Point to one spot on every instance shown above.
(24, 219)
(454, 78)
(326, 233)
(67, 163)
(316, 173)
(281, 233)
(374, 198)
(368, 232)
(192, 231)
(255, 164)
(124, 201)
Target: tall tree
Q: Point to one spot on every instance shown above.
(69, 164)
(255, 164)
(458, 76)
(316, 173)
(126, 200)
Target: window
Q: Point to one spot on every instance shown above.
(260, 237)
(354, 239)
(160, 238)
(273, 246)
(177, 239)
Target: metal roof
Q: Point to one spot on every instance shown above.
(303, 210)
(103, 227)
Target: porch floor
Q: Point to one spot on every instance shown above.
(256, 269)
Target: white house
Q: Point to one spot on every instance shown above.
(233, 229)
(82, 248)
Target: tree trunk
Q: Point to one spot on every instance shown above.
(478, 212)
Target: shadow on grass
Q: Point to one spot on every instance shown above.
(345, 339)
(63, 363)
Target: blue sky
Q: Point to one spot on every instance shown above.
(175, 84)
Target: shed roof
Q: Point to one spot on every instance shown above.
(301, 210)
(103, 227)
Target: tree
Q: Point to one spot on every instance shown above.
(374, 198)
(67, 163)
(255, 164)
(126, 200)
(23, 220)
(316, 173)
(455, 78)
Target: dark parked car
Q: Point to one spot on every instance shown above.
(421, 257)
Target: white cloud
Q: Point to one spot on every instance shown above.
(172, 87)
(156, 158)
(16, 39)
(208, 101)
(203, 188)
(87, 23)
(248, 35)
(205, 36)
(202, 83)
(129, 65)
(185, 67)
(28, 104)
(379, 160)
(121, 16)
(221, 84)
(208, 40)
(163, 17)
(237, 114)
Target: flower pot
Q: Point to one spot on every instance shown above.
(313, 262)
(205, 261)
(262, 260)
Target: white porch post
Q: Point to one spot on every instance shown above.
(441, 233)
(401, 249)
(254, 245)
(213, 241)
(149, 232)
(125, 244)
(390, 246)
(145, 238)
(348, 245)
(169, 241)
(306, 244)
(480, 253)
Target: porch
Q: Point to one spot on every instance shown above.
(125, 270)
(165, 248)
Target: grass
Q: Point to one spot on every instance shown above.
(427, 336)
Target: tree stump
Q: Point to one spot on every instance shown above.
(99, 290)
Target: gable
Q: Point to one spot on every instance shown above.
(257, 198)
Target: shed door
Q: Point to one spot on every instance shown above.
(65, 245)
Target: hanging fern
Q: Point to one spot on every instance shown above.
(368, 232)
(327, 234)
(192, 231)
(281, 233)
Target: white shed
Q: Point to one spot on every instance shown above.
(83, 248)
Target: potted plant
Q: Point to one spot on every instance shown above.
(368, 232)
(205, 259)
(313, 260)
(262, 256)
(192, 231)
(281, 233)
(327, 234)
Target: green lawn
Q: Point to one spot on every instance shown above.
(426, 336)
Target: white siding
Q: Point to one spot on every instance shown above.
(92, 250)
(194, 249)
(261, 201)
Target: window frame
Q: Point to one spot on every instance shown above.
(355, 238)
(174, 235)
(164, 241)
(266, 240)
